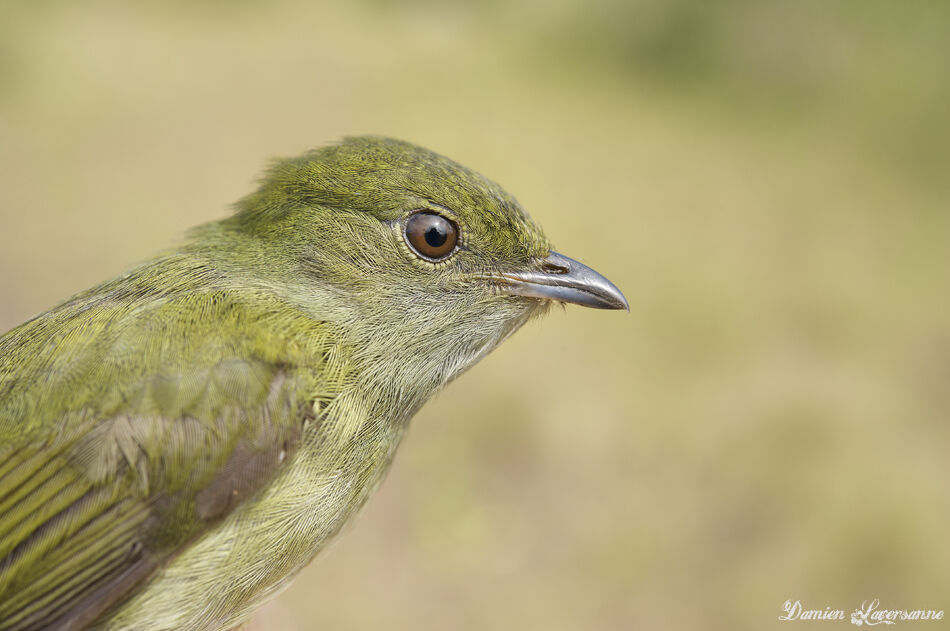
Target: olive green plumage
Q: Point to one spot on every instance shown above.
(178, 442)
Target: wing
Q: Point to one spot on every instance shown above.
(126, 432)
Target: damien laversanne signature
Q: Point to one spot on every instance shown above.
(869, 613)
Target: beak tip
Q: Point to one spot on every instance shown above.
(616, 301)
(623, 299)
(602, 293)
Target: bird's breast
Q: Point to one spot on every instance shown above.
(253, 553)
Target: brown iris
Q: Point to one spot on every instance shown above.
(431, 236)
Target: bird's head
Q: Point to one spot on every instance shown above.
(411, 245)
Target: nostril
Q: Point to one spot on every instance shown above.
(549, 267)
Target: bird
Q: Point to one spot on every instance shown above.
(177, 443)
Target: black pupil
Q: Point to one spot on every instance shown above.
(436, 234)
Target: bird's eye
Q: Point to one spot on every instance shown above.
(431, 236)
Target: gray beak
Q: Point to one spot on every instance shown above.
(565, 280)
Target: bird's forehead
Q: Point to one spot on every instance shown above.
(389, 178)
(490, 218)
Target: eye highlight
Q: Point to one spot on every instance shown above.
(431, 236)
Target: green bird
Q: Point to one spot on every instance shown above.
(178, 442)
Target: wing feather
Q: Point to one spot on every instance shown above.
(95, 500)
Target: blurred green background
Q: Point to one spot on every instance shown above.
(769, 183)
